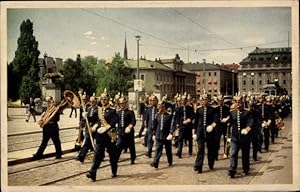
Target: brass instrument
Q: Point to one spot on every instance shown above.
(111, 132)
(69, 99)
(79, 140)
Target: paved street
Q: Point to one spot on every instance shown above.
(274, 167)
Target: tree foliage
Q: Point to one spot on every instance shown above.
(73, 73)
(24, 67)
(116, 77)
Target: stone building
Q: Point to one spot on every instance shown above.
(50, 77)
(213, 78)
(264, 66)
(166, 76)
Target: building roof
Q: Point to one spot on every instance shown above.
(264, 55)
(146, 64)
(200, 66)
(231, 67)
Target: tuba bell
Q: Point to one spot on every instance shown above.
(69, 99)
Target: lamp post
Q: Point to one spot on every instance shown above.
(232, 76)
(138, 38)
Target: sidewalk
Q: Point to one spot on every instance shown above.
(16, 123)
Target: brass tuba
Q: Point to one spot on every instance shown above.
(69, 99)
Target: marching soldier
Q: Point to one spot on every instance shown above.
(50, 130)
(240, 127)
(92, 115)
(143, 110)
(126, 125)
(256, 128)
(184, 117)
(149, 118)
(105, 137)
(163, 134)
(223, 117)
(271, 112)
(205, 122)
(264, 121)
(83, 108)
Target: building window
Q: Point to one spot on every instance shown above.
(260, 82)
(244, 82)
(209, 74)
(252, 82)
(284, 82)
(215, 73)
(142, 77)
(259, 74)
(283, 73)
(133, 76)
(268, 81)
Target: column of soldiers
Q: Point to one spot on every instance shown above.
(244, 121)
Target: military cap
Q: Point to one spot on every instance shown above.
(122, 100)
(93, 98)
(220, 97)
(204, 96)
(237, 98)
(104, 95)
(49, 98)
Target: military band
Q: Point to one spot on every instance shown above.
(231, 126)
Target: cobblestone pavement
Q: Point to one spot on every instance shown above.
(274, 167)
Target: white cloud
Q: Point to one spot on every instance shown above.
(88, 33)
(107, 45)
(102, 38)
(93, 43)
(92, 38)
(87, 36)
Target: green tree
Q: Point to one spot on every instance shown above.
(89, 82)
(24, 67)
(73, 73)
(116, 77)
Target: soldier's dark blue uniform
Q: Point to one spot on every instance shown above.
(223, 116)
(92, 116)
(256, 136)
(184, 120)
(126, 125)
(149, 119)
(163, 129)
(240, 127)
(265, 116)
(105, 138)
(205, 116)
(50, 130)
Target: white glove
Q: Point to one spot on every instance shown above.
(101, 130)
(136, 134)
(279, 110)
(170, 136)
(153, 137)
(269, 122)
(94, 128)
(145, 131)
(224, 120)
(186, 121)
(228, 139)
(244, 132)
(209, 128)
(264, 125)
(84, 115)
(127, 130)
(195, 136)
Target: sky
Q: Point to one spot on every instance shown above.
(214, 34)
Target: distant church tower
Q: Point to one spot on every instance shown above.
(125, 49)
